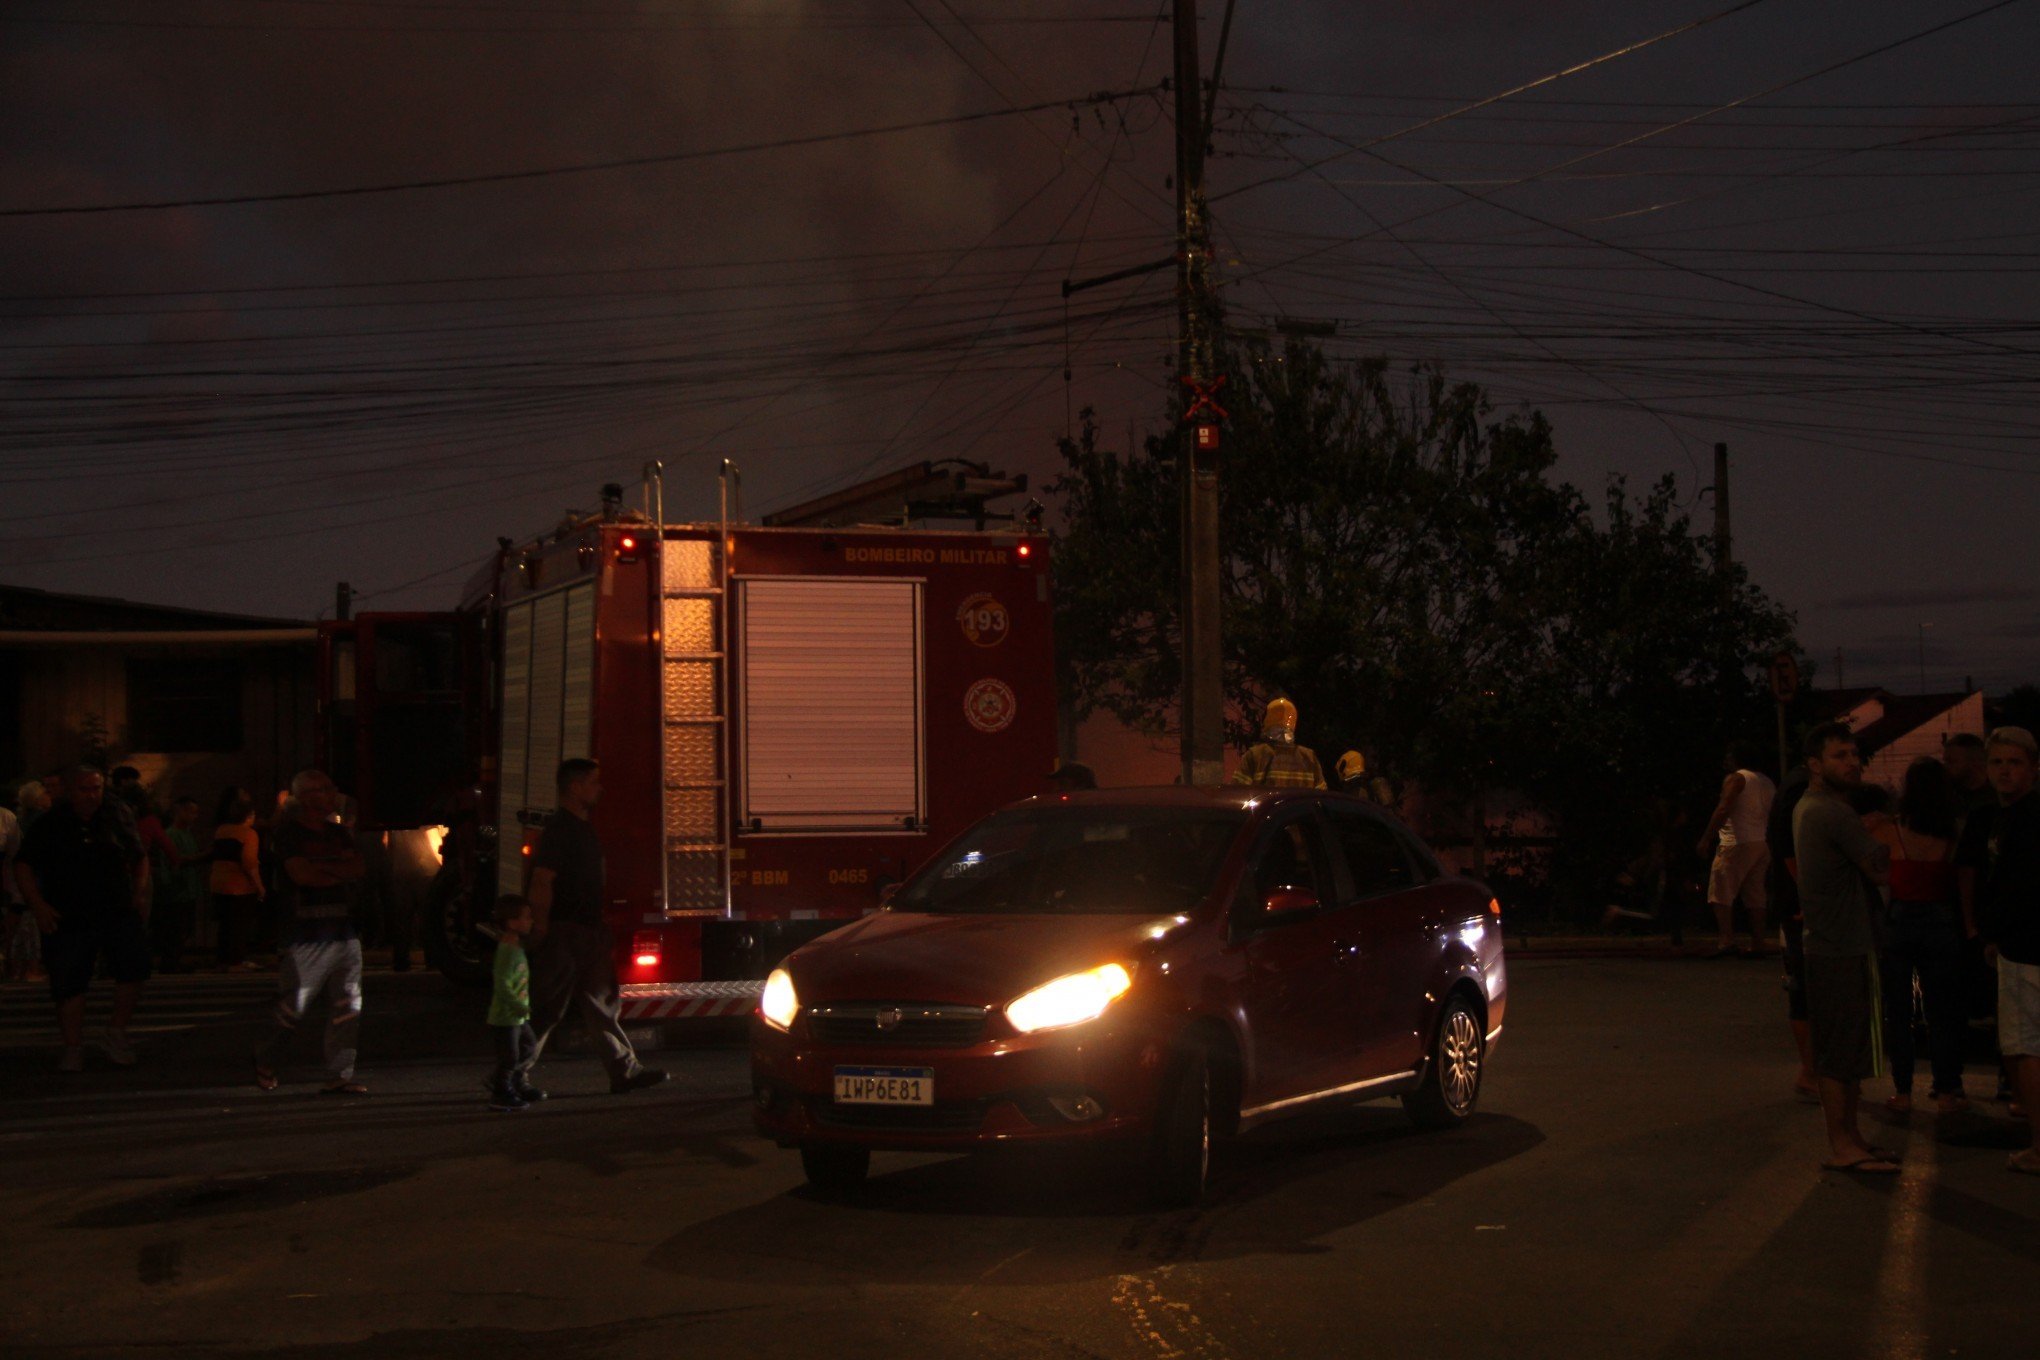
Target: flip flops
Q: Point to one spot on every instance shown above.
(1872, 1165)
(344, 1088)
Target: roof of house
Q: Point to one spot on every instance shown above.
(1903, 714)
(26, 608)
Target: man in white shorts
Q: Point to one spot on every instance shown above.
(1735, 837)
(1999, 864)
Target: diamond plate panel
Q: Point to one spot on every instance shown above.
(690, 815)
(695, 882)
(690, 626)
(691, 754)
(688, 564)
(690, 690)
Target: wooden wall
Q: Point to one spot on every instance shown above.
(59, 689)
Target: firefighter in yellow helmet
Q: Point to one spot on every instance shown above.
(1277, 762)
(1353, 779)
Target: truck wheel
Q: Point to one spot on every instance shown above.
(452, 944)
(1451, 1082)
(1179, 1155)
(833, 1169)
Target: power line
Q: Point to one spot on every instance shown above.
(1510, 93)
(788, 22)
(581, 168)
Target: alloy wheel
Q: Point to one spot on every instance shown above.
(1459, 1053)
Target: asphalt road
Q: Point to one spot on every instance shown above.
(1640, 1183)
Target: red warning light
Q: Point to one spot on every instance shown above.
(626, 548)
(644, 950)
(1025, 550)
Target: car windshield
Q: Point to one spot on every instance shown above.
(1078, 860)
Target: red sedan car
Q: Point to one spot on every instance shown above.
(1157, 966)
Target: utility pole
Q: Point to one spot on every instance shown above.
(1203, 702)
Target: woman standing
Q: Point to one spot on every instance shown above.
(236, 881)
(1925, 937)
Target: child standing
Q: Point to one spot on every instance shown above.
(510, 1008)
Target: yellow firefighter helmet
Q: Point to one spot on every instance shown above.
(1352, 765)
(1280, 722)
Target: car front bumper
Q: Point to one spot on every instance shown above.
(996, 1092)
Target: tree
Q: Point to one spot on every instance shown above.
(1377, 555)
(1405, 567)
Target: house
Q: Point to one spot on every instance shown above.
(1894, 730)
(195, 700)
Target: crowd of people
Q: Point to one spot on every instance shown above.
(103, 887)
(208, 886)
(1899, 916)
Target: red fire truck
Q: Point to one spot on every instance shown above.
(789, 717)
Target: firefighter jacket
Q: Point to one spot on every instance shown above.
(1280, 767)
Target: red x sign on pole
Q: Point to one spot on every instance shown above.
(1203, 401)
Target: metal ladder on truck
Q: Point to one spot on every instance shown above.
(694, 726)
(694, 758)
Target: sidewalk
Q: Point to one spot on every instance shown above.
(1698, 948)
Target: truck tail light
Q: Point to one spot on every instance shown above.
(1494, 907)
(627, 547)
(1024, 551)
(644, 949)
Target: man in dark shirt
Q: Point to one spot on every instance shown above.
(573, 959)
(83, 874)
(321, 955)
(1840, 868)
(1999, 865)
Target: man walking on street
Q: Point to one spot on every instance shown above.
(573, 960)
(1840, 866)
(1735, 837)
(321, 953)
(83, 874)
(2000, 875)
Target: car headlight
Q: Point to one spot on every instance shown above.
(777, 1005)
(1069, 1000)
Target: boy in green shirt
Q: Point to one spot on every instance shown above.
(510, 1008)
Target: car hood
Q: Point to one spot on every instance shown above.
(968, 959)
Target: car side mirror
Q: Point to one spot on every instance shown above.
(1287, 900)
(886, 893)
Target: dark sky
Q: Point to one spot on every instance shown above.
(234, 406)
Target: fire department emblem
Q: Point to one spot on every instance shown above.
(990, 705)
(983, 620)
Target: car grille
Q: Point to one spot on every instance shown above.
(897, 1024)
(943, 1116)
